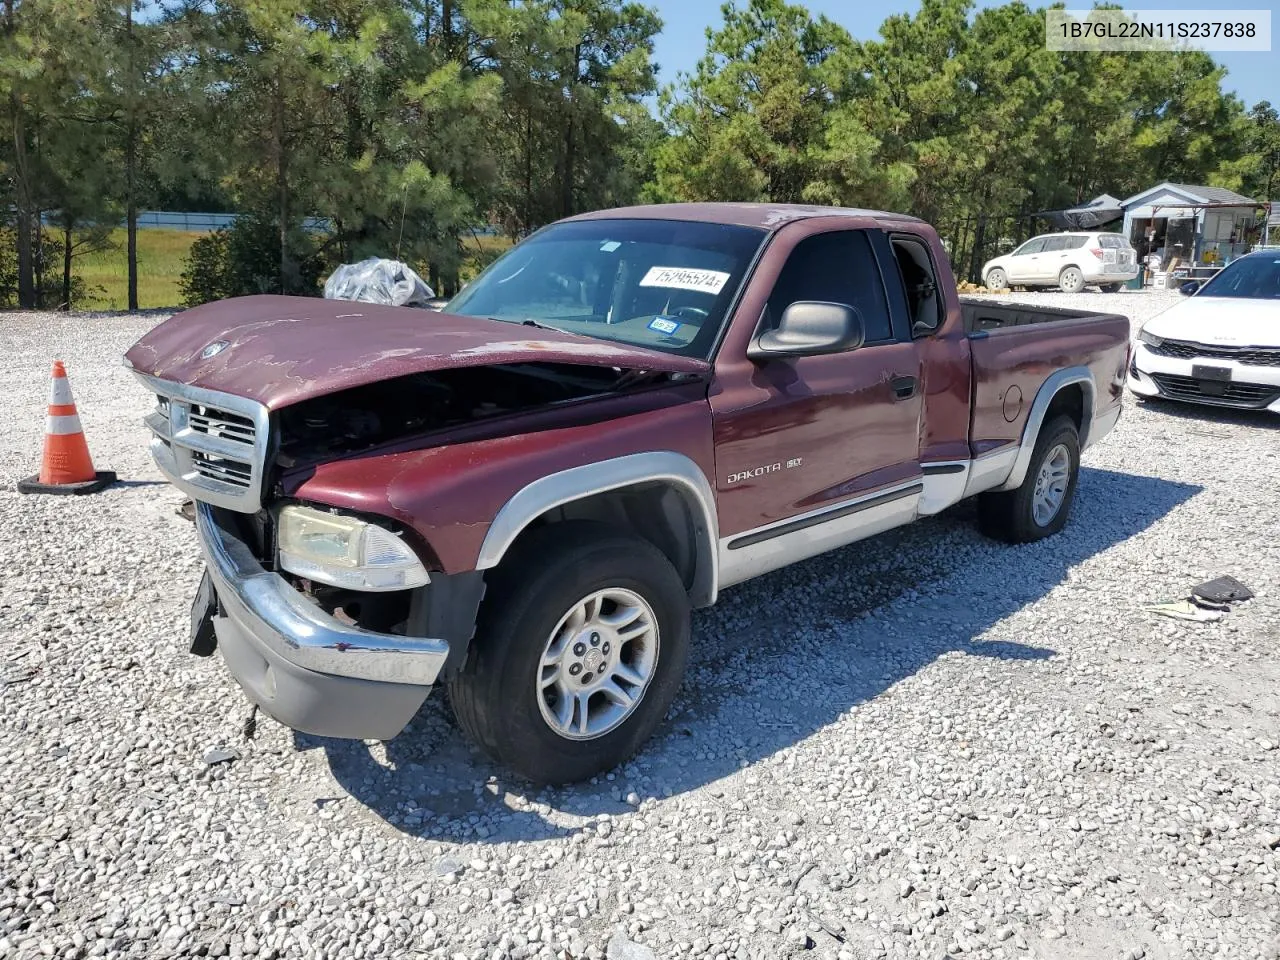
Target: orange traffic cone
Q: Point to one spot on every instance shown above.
(66, 467)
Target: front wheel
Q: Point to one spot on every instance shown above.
(1071, 280)
(1039, 507)
(996, 279)
(580, 648)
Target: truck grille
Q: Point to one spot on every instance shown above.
(1251, 396)
(210, 445)
(1254, 356)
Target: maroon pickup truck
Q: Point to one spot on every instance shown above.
(522, 497)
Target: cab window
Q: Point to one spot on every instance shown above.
(915, 271)
(837, 267)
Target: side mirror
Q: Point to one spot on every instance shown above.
(1188, 288)
(809, 328)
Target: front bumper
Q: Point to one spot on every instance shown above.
(1251, 387)
(301, 666)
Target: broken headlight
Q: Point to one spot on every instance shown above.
(345, 552)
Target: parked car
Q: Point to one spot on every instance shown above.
(522, 497)
(1221, 345)
(1069, 261)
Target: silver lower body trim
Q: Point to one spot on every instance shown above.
(755, 552)
(1102, 425)
(945, 482)
(991, 470)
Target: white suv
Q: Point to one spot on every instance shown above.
(1068, 261)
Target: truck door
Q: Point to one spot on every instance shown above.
(812, 452)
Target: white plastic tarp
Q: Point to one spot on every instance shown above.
(376, 280)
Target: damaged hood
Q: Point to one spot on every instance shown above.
(280, 350)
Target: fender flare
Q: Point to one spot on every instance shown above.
(663, 467)
(1057, 381)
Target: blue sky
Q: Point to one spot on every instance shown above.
(1254, 76)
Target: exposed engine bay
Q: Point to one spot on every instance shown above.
(421, 403)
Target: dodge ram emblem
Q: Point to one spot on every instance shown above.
(213, 349)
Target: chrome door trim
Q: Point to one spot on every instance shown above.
(761, 549)
(796, 524)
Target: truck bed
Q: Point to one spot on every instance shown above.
(1016, 347)
(982, 314)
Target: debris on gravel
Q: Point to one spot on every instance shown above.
(924, 745)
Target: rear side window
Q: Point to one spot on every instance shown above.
(837, 268)
(1063, 243)
(1112, 241)
(915, 272)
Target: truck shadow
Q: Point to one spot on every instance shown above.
(776, 661)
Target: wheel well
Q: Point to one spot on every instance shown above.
(659, 513)
(1069, 401)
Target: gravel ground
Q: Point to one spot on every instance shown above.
(925, 745)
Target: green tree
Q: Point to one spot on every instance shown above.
(574, 131)
(1256, 172)
(139, 41)
(45, 61)
(771, 113)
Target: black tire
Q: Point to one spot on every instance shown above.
(1008, 515)
(1110, 287)
(989, 281)
(494, 696)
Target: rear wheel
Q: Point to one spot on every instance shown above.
(996, 279)
(1110, 287)
(580, 648)
(1071, 280)
(1039, 507)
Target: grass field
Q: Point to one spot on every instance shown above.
(160, 257)
(161, 254)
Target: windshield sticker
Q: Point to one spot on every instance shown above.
(664, 325)
(685, 278)
(609, 246)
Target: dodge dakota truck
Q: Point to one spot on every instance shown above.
(523, 496)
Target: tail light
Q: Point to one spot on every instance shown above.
(1096, 251)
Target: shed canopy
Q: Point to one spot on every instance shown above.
(1098, 212)
(1181, 200)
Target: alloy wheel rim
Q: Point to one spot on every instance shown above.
(597, 664)
(1051, 485)
(1074, 279)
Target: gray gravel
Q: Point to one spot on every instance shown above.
(926, 745)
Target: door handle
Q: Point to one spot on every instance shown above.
(904, 388)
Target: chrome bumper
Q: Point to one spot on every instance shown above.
(280, 619)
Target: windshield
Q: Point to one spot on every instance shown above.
(1255, 278)
(665, 284)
